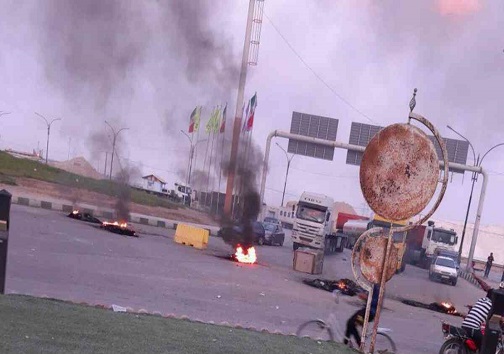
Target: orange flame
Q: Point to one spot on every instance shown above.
(246, 257)
(75, 212)
(115, 223)
(446, 304)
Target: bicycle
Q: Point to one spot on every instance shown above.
(326, 330)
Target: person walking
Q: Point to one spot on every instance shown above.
(489, 263)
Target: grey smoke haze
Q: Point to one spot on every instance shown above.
(123, 192)
(371, 53)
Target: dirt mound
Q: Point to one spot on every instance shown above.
(79, 166)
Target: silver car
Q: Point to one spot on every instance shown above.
(274, 234)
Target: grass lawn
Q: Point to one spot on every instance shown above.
(33, 325)
(11, 167)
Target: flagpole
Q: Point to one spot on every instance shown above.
(211, 159)
(205, 161)
(239, 162)
(221, 159)
(196, 145)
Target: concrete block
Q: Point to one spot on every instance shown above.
(45, 205)
(23, 201)
(67, 208)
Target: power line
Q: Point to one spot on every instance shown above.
(315, 73)
(323, 174)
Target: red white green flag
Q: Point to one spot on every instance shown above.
(251, 112)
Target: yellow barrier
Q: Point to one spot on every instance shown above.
(191, 236)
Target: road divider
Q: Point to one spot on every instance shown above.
(107, 214)
(191, 236)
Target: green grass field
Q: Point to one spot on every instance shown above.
(33, 325)
(11, 167)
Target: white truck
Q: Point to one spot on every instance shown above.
(424, 243)
(315, 227)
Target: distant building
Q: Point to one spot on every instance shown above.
(153, 183)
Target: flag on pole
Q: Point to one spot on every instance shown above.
(223, 122)
(216, 124)
(213, 123)
(250, 115)
(245, 116)
(194, 120)
(209, 125)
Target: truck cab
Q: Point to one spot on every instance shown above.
(312, 221)
(437, 238)
(183, 193)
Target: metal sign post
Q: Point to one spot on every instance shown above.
(5, 202)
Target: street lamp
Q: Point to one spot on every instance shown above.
(289, 159)
(48, 132)
(113, 145)
(477, 163)
(2, 113)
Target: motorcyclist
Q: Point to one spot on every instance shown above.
(478, 315)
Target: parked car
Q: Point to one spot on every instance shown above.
(444, 269)
(236, 232)
(274, 234)
(271, 220)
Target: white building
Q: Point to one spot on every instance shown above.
(153, 183)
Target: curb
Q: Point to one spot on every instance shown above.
(470, 278)
(108, 214)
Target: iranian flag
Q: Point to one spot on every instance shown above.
(223, 123)
(194, 120)
(251, 112)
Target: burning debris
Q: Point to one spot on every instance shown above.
(441, 307)
(346, 286)
(120, 228)
(248, 206)
(76, 214)
(247, 255)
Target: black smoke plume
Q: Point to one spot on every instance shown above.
(123, 193)
(248, 167)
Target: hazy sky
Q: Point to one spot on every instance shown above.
(145, 65)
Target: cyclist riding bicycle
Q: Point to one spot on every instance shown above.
(357, 319)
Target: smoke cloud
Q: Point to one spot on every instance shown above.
(248, 168)
(123, 192)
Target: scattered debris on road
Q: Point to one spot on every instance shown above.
(346, 286)
(442, 307)
(77, 215)
(120, 228)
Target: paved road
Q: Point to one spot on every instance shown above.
(62, 258)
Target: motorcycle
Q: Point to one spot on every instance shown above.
(458, 342)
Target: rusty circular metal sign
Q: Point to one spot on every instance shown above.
(371, 259)
(399, 172)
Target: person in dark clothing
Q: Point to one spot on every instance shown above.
(357, 319)
(488, 266)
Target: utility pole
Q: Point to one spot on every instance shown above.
(289, 159)
(477, 163)
(113, 146)
(48, 133)
(251, 20)
(191, 154)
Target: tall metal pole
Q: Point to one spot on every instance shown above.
(473, 177)
(189, 163)
(113, 146)
(239, 114)
(477, 222)
(48, 133)
(289, 159)
(106, 162)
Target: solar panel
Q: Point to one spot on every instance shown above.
(361, 134)
(315, 127)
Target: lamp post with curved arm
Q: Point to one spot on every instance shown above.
(477, 163)
(289, 159)
(48, 133)
(115, 133)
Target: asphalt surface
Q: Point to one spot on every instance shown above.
(52, 255)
